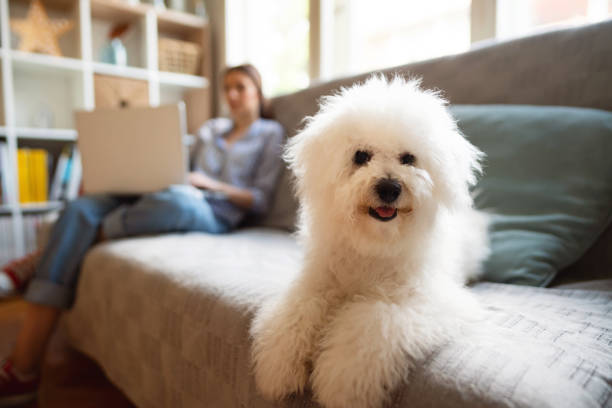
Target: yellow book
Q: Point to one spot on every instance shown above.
(44, 175)
(24, 176)
(34, 176)
(41, 178)
(32, 173)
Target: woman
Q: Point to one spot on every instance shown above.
(236, 162)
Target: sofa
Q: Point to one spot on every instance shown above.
(167, 317)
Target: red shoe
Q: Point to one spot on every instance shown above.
(14, 391)
(19, 273)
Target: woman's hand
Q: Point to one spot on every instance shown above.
(239, 196)
(201, 180)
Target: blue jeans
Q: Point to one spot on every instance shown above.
(176, 209)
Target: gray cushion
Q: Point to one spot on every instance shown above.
(547, 181)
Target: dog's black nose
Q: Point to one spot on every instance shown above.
(388, 190)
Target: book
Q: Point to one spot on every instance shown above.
(6, 239)
(23, 168)
(33, 175)
(61, 168)
(40, 173)
(4, 173)
(66, 175)
(74, 181)
(34, 170)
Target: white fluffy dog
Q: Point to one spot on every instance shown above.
(390, 236)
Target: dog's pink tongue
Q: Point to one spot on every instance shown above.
(385, 212)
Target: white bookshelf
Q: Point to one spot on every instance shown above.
(41, 207)
(69, 135)
(66, 83)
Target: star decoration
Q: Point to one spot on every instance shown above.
(38, 33)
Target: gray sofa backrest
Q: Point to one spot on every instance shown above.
(570, 67)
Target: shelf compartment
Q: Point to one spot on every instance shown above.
(115, 92)
(109, 13)
(68, 135)
(35, 198)
(199, 36)
(69, 42)
(168, 20)
(46, 98)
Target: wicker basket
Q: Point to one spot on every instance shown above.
(178, 56)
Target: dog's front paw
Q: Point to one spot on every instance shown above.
(363, 356)
(279, 354)
(350, 385)
(278, 374)
(284, 332)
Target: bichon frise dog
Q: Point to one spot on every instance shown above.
(390, 237)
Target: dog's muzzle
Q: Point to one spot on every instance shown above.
(388, 190)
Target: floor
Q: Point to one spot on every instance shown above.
(69, 379)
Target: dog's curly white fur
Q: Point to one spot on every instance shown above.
(390, 236)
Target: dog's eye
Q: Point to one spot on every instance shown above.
(408, 158)
(361, 157)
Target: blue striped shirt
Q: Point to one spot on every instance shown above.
(253, 162)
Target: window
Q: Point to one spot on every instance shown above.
(355, 36)
(521, 17)
(364, 35)
(273, 36)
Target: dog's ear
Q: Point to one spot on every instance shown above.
(299, 155)
(460, 171)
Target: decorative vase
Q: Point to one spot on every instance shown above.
(114, 53)
(199, 8)
(178, 5)
(157, 3)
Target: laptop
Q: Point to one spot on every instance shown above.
(132, 150)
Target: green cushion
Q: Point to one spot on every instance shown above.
(547, 182)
